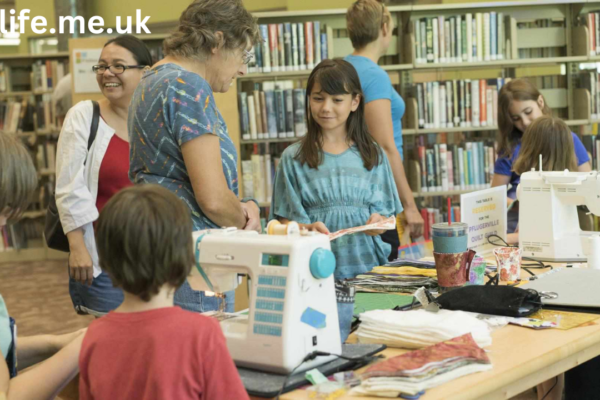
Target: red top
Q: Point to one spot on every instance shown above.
(166, 353)
(114, 171)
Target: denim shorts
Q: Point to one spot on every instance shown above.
(345, 316)
(97, 299)
(196, 301)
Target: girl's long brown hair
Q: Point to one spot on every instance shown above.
(337, 77)
(508, 134)
(551, 138)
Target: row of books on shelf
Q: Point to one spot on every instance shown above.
(592, 21)
(46, 156)
(17, 236)
(16, 116)
(273, 110)
(592, 145)
(458, 103)
(258, 175)
(460, 38)
(589, 80)
(433, 216)
(291, 46)
(46, 74)
(447, 168)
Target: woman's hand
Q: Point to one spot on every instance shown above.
(374, 218)
(317, 227)
(415, 222)
(80, 265)
(252, 214)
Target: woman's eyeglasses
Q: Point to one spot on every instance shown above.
(247, 57)
(115, 69)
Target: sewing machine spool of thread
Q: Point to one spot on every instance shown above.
(274, 227)
(594, 254)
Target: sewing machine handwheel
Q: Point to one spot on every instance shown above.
(322, 263)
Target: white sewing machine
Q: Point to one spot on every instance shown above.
(293, 308)
(548, 222)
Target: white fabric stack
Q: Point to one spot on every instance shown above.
(419, 328)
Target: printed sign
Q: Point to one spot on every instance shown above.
(485, 212)
(83, 76)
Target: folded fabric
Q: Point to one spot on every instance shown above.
(419, 328)
(418, 370)
(405, 271)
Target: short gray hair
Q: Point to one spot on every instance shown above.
(196, 36)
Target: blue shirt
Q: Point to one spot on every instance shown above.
(376, 85)
(170, 107)
(341, 193)
(504, 165)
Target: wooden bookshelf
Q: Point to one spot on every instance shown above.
(24, 65)
(569, 37)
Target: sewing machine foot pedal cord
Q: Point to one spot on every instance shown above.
(269, 385)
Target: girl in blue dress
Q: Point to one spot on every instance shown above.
(336, 176)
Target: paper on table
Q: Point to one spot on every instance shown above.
(386, 224)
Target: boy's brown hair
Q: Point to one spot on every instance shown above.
(144, 239)
(364, 20)
(551, 138)
(18, 177)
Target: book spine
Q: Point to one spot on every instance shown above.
(289, 111)
(493, 36)
(266, 49)
(281, 48)
(301, 46)
(299, 113)
(287, 40)
(317, 40)
(244, 120)
(417, 32)
(486, 37)
(429, 40)
(274, 47)
(295, 47)
(469, 23)
(308, 43)
(252, 116)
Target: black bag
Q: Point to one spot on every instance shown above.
(53, 231)
(509, 301)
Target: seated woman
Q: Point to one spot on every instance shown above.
(552, 139)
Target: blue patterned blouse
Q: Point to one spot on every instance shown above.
(341, 193)
(170, 107)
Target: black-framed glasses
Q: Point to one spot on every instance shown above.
(115, 69)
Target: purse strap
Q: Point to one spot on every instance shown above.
(94, 128)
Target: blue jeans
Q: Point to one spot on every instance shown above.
(194, 300)
(97, 299)
(345, 316)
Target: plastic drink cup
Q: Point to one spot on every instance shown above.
(450, 238)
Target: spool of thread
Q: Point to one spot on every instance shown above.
(275, 227)
(594, 253)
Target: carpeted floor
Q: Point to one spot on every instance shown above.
(37, 297)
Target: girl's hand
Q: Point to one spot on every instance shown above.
(373, 219)
(252, 213)
(317, 226)
(80, 265)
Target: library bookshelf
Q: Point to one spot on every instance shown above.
(551, 42)
(26, 86)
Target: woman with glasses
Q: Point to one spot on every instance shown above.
(370, 28)
(178, 137)
(86, 180)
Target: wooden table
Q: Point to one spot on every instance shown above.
(521, 358)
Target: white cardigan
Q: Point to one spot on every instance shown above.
(76, 184)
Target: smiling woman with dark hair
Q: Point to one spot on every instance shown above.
(86, 180)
